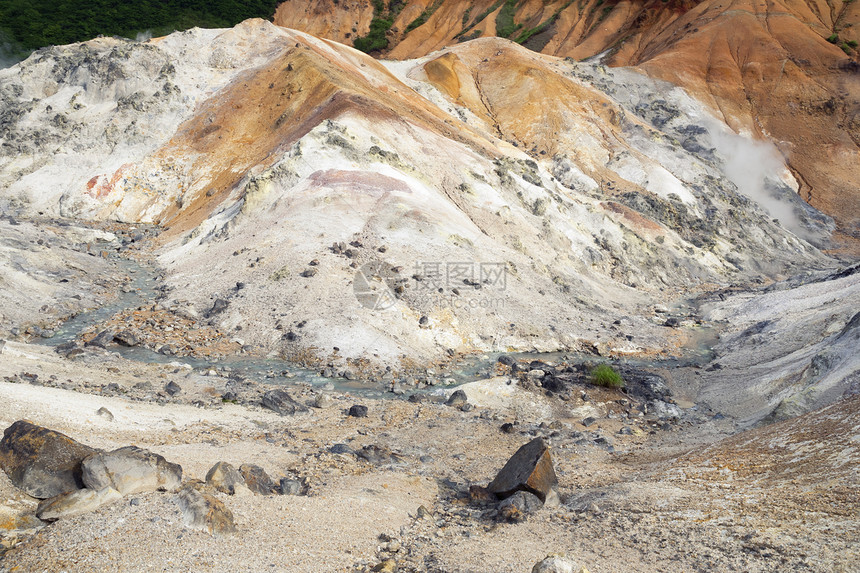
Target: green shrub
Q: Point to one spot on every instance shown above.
(505, 25)
(852, 43)
(606, 376)
(833, 38)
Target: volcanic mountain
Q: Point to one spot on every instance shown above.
(782, 70)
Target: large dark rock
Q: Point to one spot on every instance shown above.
(42, 462)
(281, 402)
(529, 469)
(130, 470)
(257, 480)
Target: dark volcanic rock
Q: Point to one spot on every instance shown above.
(257, 479)
(458, 398)
(42, 462)
(281, 402)
(219, 306)
(102, 339)
(126, 338)
(172, 388)
(378, 455)
(130, 470)
(529, 469)
(357, 411)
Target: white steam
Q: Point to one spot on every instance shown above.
(143, 36)
(748, 164)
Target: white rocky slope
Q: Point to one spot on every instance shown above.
(287, 163)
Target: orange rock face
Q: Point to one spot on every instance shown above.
(781, 69)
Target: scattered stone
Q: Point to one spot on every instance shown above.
(167, 350)
(307, 273)
(341, 449)
(378, 455)
(323, 401)
(290, 486)
(423, 512)
(519, 506)
(130, 470)
(529, 469)
(588, 421)
(257, 480)
(281, 402)
(458, 398)
(105, 413)
(126, 338)
(357, 411)
(172, 388)
(423, 321)
(102, 339)
(478, 494)
(536, 374)
(507, 428)
(387, 566)
(220, 305)
(509, 361)
(224, 478)
(203, 511)
(75, 503)
(557, 564)
(42, 462)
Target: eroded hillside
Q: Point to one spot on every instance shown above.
(787, 71)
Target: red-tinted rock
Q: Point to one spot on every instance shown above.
(529, 469)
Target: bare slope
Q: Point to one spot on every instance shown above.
(784, 70)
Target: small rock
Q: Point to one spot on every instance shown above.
(341, 449)
(290, 486)
(257, 480)
(75, 503)
(105, 413)
(323, 401)
(509, 361)
(478, 494)
(557, 564)
(458, 398)
(126, 338)
(588, 421)
(387, 566)
(307, 273)
(281, 402)
(423, 321)
(536, 374)
(357, 411)
(42, 462)
(423, 512)
(507, 428)
(529, 469)
(224, 478)
(102, 339)
(204, 511)
(378, 455)
(220, 305)
(172, 388)
(130, 470)
(519, 506)
(393, 546)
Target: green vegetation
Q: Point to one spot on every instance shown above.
(833, 38)
(846, 48)
(852, 43)
(542, 26)
(505, 25)
(383, 19)
(466, 15)
(605, 375)
(425, 15)
(480, 18)
(32, 24)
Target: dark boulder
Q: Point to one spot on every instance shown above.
(281, 402)
(42, 462)
(257, 480)
(529, 469)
